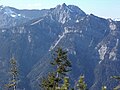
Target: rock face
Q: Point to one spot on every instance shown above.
(31, 35)
(10, 17)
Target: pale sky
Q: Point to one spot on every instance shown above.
(101, 8)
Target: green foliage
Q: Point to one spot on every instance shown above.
(104, 88)
(58, 80)
(14, 69)
(117, 78)
(81, 84)
(14, 74)
(117, 87)
(54, 81)
(49, 82)
(66, 84)
(61, 62)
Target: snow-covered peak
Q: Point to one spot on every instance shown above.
(65, 13)
(70, 8)
(62, 8)
(6, 10)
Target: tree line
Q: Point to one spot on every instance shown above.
(57, 79)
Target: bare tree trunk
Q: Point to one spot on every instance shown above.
(14, 87)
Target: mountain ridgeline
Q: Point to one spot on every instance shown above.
(93, 44)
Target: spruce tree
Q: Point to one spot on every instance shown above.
(81, 84)
(66, 84)
(14, 74)
(49, 82)
(62, 66)
(61, 63)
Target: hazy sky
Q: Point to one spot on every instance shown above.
(102, 8)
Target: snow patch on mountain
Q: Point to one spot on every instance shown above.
(36, 22)
(19, 15)
(116, 19)
(1, 8)
(3, 30)
(63, 19)
(112, 26)
(77, 21)
(13, 15)
(91, 42)
(8, 11)
(102, 51)
(74, 52)
(60, 37)
(66, 31)
(112, 54)
(29, 38)
(69, 9)
(64, 13)
(117, 43)
(22, 30)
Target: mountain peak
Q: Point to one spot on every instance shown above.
(64, 5)
(70, 8)
(65, 13)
